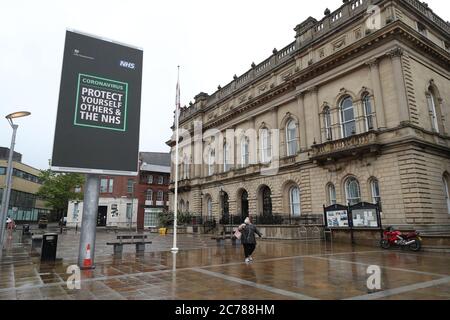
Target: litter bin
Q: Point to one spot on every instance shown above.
(49, 245)
(163, 231)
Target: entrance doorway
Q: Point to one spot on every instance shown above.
(225, 205)
(244, 205)
(101, 216)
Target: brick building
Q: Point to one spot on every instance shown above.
(131, 202)
(355, 109)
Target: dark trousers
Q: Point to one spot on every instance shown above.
(249, 248)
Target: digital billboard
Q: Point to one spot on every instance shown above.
(98, 117)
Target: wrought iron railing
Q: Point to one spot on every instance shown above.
(274, 219)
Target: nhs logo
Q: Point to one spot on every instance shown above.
(128, 65)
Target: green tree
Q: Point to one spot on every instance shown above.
(58, 189)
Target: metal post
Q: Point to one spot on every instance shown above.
(89, 222)
(177, 137)
(7, 189)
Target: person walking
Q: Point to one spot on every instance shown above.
(248, 238)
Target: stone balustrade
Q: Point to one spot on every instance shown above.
(307, 32)
(348, 145)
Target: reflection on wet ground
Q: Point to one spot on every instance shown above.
(204, 270)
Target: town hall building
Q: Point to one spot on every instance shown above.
(356, 109)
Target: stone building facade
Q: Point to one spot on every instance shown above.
(357, 108)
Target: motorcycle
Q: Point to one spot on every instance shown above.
(392, 238)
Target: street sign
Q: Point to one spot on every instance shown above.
(98, 119)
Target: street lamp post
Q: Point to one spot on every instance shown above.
(8, 180)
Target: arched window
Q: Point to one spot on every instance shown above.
(434, 110)
(352, 191)
(445, 181)
(291, 138)
(348, 121)
(375, 191)
(266, 201)
(186, 167)
(327, 123)
(294, 201)
(368, 112)
(226, 156)
(187, 206)
(266, 146)
(245, 153)
(211, 162)
(331, 194)
(149, 195)
(181, 208)
(209, 207)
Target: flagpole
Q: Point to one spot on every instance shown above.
(177, 109)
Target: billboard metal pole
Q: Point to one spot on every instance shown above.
(89, 222)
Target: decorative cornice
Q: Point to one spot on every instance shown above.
(397, 52)
(394, 30)
(373, 63)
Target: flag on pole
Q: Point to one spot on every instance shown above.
(177, 113)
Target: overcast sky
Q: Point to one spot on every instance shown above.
(211, 40)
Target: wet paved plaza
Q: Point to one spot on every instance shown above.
(203, 270)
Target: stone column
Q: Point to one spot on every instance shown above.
(377, 93)
(302, 121)
(399, 82)
(198, 152)
(275, 143)
(315, 110)
(253, 147)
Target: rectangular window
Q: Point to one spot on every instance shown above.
(130, 185)
(446, 192)
(2, 171)
(376, 198)
(332, 195)
(433, 113)
(129, 211)
(149, 195)
(111, 185)
(186, 168)
(160, 180)
(160, 196)
(266, 146)
(150, 179)
(103, 185)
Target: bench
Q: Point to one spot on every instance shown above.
(112, 228)
(138, 240)
(223, 238)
